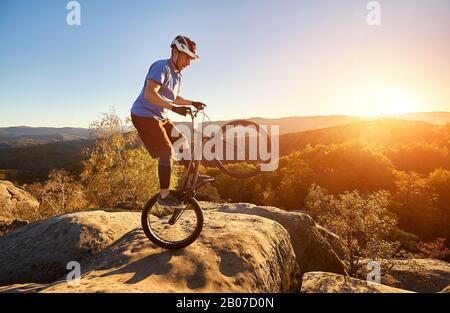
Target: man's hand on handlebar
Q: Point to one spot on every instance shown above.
(198, 105)
(182, 110)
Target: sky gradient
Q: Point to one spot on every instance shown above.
(258, 58)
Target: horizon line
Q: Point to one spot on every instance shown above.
(266, 118)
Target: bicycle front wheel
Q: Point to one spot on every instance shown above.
(172, 227)
(240, 145)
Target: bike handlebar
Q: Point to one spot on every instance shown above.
(193, 112)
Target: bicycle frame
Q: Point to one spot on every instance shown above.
(187, 190)
(189, 184)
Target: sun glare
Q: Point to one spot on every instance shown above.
(382, 100)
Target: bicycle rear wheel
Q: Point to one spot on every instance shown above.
(241, 146)
(172, 227)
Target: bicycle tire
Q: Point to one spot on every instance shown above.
(222, 166)
(164, 243)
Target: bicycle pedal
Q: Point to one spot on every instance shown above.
(204, 178)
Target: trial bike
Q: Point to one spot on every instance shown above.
(176, 227)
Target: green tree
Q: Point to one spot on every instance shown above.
(439, 180)
(348, 166)
(363, 223)
(296, 177)
(318, 201)
(419, 202)
(413, 189)
(435, 249)
(421, 157)
(60, 194)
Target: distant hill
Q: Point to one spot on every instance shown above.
(34, 162)
(384, 131)
(440, 118)
(298, 123)
(21, 136)
(302, 123)
(31, 163)
(295, 124)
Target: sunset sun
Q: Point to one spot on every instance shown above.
(380, 100)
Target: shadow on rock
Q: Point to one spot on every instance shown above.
(231, 264)
(155, 264)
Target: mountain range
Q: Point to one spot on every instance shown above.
(32, 162)
(21, 136)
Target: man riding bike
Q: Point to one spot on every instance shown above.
(148, 113)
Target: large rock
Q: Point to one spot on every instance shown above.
(321, 282)
(16, 203)
(234, 253)
(334, 241)
(9, 225)
(39, 252)
(316, 248)
(420, 275)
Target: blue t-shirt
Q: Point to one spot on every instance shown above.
(162, 72)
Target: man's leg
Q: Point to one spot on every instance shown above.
(179, 142)
(164, 172)
(157, 143)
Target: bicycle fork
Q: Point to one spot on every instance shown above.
(175, 216)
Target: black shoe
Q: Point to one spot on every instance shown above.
(170, 200)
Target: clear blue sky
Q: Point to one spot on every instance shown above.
(258, 58)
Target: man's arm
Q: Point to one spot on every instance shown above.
(181, 101)
(151, 94)
(196, 104)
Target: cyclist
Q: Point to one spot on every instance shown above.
(148, 113)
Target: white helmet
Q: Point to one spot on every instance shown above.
(185, 45)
